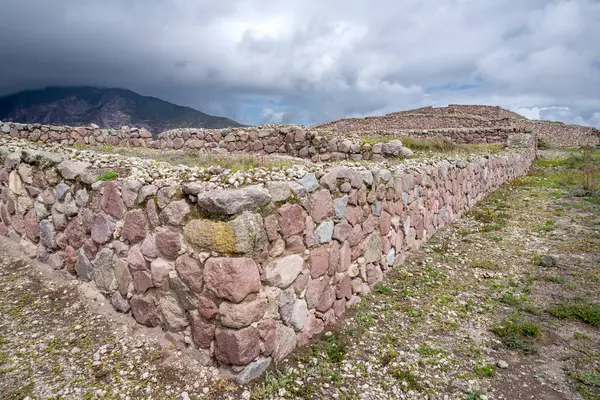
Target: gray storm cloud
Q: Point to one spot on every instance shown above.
(299, 61)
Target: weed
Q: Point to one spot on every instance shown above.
(364, 319)
(382, 289)
(387, 357)
(587, 384)
(476, 394)
(555, 279)
(579, 335)
(485, 264)
(428, 351)
(586, 312)
(548, 226)
(485, 371)
(517, 333)
(408, 379)
(514, 300)
(108, 176)
(543, 145)
(333, 347)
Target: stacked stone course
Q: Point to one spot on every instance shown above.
(242, 275)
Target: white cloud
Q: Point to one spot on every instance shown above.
(312, 60)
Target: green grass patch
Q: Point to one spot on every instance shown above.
(485, 371)
(586, 312)
(365, 319)
(587, 384)
(580, 336)
(518, 333)
(408, 380)
(108, 176)
(488, 265)
(555, 279)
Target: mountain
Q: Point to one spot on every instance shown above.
(107, 108)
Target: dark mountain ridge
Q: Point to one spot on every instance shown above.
(105, 107)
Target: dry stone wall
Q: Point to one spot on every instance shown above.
(243, 275)
(562, 135)
(294, 141)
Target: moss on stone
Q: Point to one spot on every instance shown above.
(211, 235)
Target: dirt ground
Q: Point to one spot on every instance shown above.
(502, 304)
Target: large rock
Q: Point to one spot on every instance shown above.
(184, 295)
(285, 342)
(203, 332)
(175, 212)
(309, 183)
(122, 275)
(129, 192)
(373, 248)
(32, 226)
(104, 275)
(324, 232)
(234, 201)
(252, 371)
(48, 234)
(111, 201)
(190, 272)
(237, 347)
(75, 233)
(144, 310)
(171, 313)
(319, 294)
(231, 278)
(160, 269)
(283, 271)
(83, 266)
(279, 190)
(243, 235)
(168, 243)
(135, 227)
(72, 169)
(102, 228)
(243, 314)
(319, 261)
(291, 220)
(321, 205)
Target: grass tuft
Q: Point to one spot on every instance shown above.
(586, 312)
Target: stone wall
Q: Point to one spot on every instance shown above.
(243, 275)
(562, 135)
(294, 141)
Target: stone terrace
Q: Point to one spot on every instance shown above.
(242, 268)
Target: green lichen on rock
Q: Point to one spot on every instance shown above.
(242, 235)
(211, 235)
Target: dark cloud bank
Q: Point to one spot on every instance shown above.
(310, 61)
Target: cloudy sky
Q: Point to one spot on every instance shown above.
(310, 61)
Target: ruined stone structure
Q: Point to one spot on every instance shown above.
(245, 274)
(457, 117)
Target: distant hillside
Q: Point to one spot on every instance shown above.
(107, 108)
